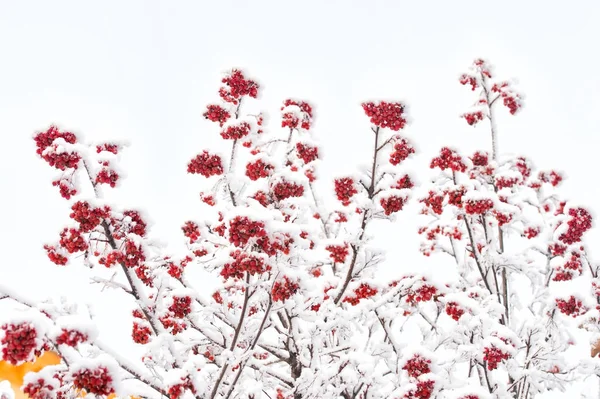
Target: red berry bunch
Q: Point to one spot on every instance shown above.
(552, 177)
(244, 262)
(531, 232)
(422, 294)
(72, 240)
(141, 333)
(19, 342)
(205, 164)
(94, 381)
(175, 391)
(174, 326)
(493, 356)
(402, 150)
(338, 252)
(236, 132)
(578, 224)
(569, 269)
(448, 159)
(52, 153)
(258, 169)
(66, 188)
(480, 159)
(107, 176)
(506, 182)
(285, 189)
(40, 389)
(454, 310)
(345, 190)
(242, 229)
(307, 152)
(108, 147)
(283, 289)
(71, 337)
(87, 216)
(181, 306)
(386, 115)
(262, 198)
(424, 390)
(482, 67)
(434, 202)
(470, 397)
(134, 254)
(474, 117)
(455, 196)
(292, 118)
(236, 86)
(216, 113)
(417, 365)
(510, 99)
(468, 79)
(191, 231)
(478, 207)
(572, 307)
(404, 182)
(392, 204)
(55, 257)
(362, 292)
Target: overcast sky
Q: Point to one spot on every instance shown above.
(144, 71)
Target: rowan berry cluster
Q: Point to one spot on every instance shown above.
(386, 115)
(494, 356)
(307, 152)
(571, 307)
(392, 204)
(422, 294)
(206, 164)
(258, 169)
(141, 333)
(237, 86)
(448, 159)
(242, 229)
(216, 113)
(40, 389)
(19, 342)
(402, 150)
(243, 263)
(53, 153)
(478, 207)
(362, 292)
(107, 176)
(181, 306)
(72, 240)
(417, 365)
(236, 132)
(283, 289)
(94, 381)
(284, 189)
(175, 391)
(434, 202)
(578, 224)
(345, 190)
(191, 230)
(454, 310)
(292, 119)
(474, 117)
(71, 337)
(338, 252)
(424, 390)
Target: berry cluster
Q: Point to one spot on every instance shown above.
(506, 182)
(52, 153)
(403, 182)
(141, 333)
(242, 229)
(478, 207)
(181, 306)
(480, 159)
(448, 159)
(551, 177)
(579, 223)
(172, 325)
(468, 79)
(424, 390)
(569, 269)
(97, 381)
(293, 119)
(402, 150)
(455, 196)
(175, 391)
(531, 232)
(386, 115)
(55, 257)
(191, 231)
(510, 99)
(434, 202)
(306, 152)
(572, 307)
(362, 292)
(338, 252)
(19, 342)
(345, 190)
(107, 176)
(422, 294)
(285, 189)
(66, 188)
(236, 132)
(237, 86)
(72, 240)
(283, 290)
(108, 147)
(71, 337)
(454, 310)
(132, 223)
(417, 365)
(242, 263)
(206, 164)
(392, 204)
(39, 389)
(493, 356)
(87, 216)
(258, 169)
(216, 113)
(474, 117)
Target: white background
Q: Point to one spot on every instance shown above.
(144, 71)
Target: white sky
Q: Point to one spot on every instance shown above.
(145, 70)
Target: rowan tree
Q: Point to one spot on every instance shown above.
(300, 311)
